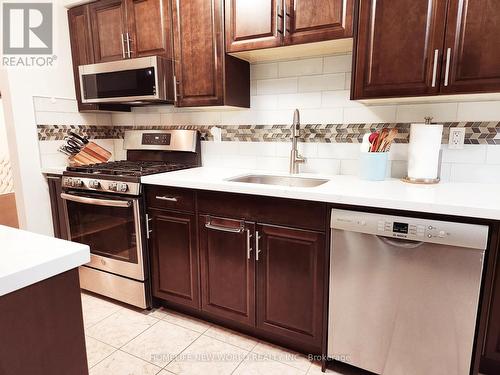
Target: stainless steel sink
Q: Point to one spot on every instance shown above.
(279, 180)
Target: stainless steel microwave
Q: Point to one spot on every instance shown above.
(131, 81)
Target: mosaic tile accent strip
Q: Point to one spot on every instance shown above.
(475, 132)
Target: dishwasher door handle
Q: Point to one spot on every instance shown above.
(401, 243)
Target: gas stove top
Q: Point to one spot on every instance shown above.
(148, 152)
(129, 168)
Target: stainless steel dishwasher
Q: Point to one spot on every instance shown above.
(404, 293)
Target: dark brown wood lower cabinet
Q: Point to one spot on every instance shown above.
(490, 362)
(227, 269)
(57, 206)
(290, 283)
(174, 253)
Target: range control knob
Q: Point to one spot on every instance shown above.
(68, 182)
(77, 183)
(94, 184)
(122, 187)
(112, 186)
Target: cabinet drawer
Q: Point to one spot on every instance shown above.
(170, 198)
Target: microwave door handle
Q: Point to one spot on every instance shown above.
(96, 201)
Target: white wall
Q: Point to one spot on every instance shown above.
(18, 86)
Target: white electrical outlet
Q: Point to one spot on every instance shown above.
(457, 137)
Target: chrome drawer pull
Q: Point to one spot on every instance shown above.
(209, 225)
(165, 198)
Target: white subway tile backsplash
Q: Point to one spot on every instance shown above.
(264, 102)
(45, 104)
(263, 71)
(485, 173)
(440, 112)
(190, 118)
(348, 77)
(493, 154)
(334, 99)
(321, 166)
(267, 149)
(338, 150)
(104, 119)
(296, 68)
(470, 154)
(370, 114)
(349, 167)
(399, 152)
(122, 119)
(276, 164)
(479, 111)
(277, 86)
(322, 116)
(337, 64)
(398, 169)
(147, 119)
(323, 82)
(302, 100)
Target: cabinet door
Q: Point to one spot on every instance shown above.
(174, 257)
(253, 24)
(198, 51)
(290, 283)
(149, 27)
(227, 269)
(57, 207)
(472, 50)
(398, 55)
(491, 352)
(317, 20)
(80, 38)
(108, 20)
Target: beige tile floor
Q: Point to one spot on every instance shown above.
(126, 341)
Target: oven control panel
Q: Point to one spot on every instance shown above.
(92, 184)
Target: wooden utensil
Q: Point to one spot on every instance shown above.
(388, 140)
(380, 139)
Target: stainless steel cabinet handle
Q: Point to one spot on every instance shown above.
(249, 246)
(129, 52)
(96, 201)
(165, 198)
(148, 231)
(447, 72)
(278, 17)
(257, 250)
(123, 46)
(285, 17)
(434, 68)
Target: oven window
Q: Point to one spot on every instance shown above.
(124, 83)
(109, 231)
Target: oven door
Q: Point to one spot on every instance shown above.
(111, 227)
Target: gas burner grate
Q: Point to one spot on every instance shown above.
(129, 168)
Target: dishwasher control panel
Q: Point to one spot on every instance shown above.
(414, 229)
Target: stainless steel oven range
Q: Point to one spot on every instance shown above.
(104, 208)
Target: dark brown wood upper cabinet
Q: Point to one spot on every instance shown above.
(108, 21)
(227, 268)
(317, 20)
(253, 24)
(81, 48)
(398, 55)
(438, 47)
(290, 283)
(272, 23)
(174, 257)
(473, 46)
(204, 74)
(150, 28)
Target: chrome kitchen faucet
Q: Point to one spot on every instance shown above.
(295, 157)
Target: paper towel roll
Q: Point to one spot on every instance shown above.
(423, 151)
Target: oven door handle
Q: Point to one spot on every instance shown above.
(95, 201)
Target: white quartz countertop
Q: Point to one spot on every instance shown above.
(28, 258)
(54, 170)
(460, 199)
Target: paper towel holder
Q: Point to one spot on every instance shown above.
(425, 181)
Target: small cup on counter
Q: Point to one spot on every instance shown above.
(373, 165)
